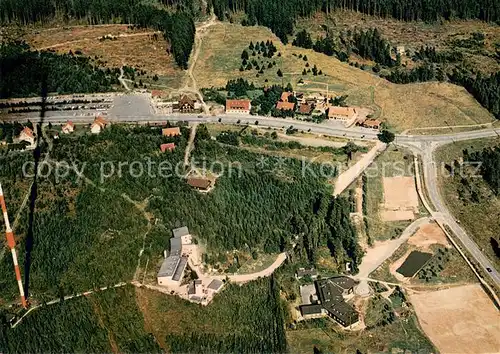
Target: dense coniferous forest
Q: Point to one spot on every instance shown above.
(258, 319)
(22, 70)
(99, 323)
(490, 165)
(484, 88)
(87, 235)
(280, 16)
(178, 27)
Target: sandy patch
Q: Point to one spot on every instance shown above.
(428, 235)
(397, 215)
(400, 193)
(459, 320)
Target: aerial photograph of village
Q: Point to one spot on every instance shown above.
(250, 176)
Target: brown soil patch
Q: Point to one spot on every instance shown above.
(135, 48)
(459, 320)
(400, 193)
(397, 215)
(428, 235)
(400, 198)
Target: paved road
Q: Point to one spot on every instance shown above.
(443, 214)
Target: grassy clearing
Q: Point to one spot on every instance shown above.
(242, 316)
(480, 220)
(401, 106)
(393, 162)
(134, 48)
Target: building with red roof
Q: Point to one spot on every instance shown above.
(238, 106)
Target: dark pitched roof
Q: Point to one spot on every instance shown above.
(215, 284)
(181, 231)
(311, 309)
(180, 269)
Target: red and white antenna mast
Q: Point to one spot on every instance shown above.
(11, 241)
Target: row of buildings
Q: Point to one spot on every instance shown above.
(308, 106)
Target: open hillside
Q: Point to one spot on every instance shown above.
(113, 46)
(401, 106)
(443, 35)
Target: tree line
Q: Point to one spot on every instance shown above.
(22, 71)
(280, 16)
(177, 27)
(490, 165)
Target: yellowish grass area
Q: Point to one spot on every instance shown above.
(401, 106)
(135, 48)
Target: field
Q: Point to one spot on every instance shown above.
(401, 106)
(480, 218)
(391, 163)
(460, 319)
(133, 48)
(246, 318)
(413, 263)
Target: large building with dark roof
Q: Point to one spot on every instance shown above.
(330, 294)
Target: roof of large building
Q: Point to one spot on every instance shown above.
(28, 132)
(215, 284)
(285, 106)
(169, 266)
(201, 183)
(168, 146)
(243, 105)
(330, 294)
(310, 309)
(181, 231)
(175, 246)
(285, 95)
(171, 131)
(100, 121)
(306, 108)
(341, 111)
(179, 269)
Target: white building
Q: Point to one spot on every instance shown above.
(172, 269)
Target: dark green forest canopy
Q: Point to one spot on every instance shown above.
(22, 71)
(112, 321)
(280, 16)
(490, 165)
(86, 236)
(177, 27)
